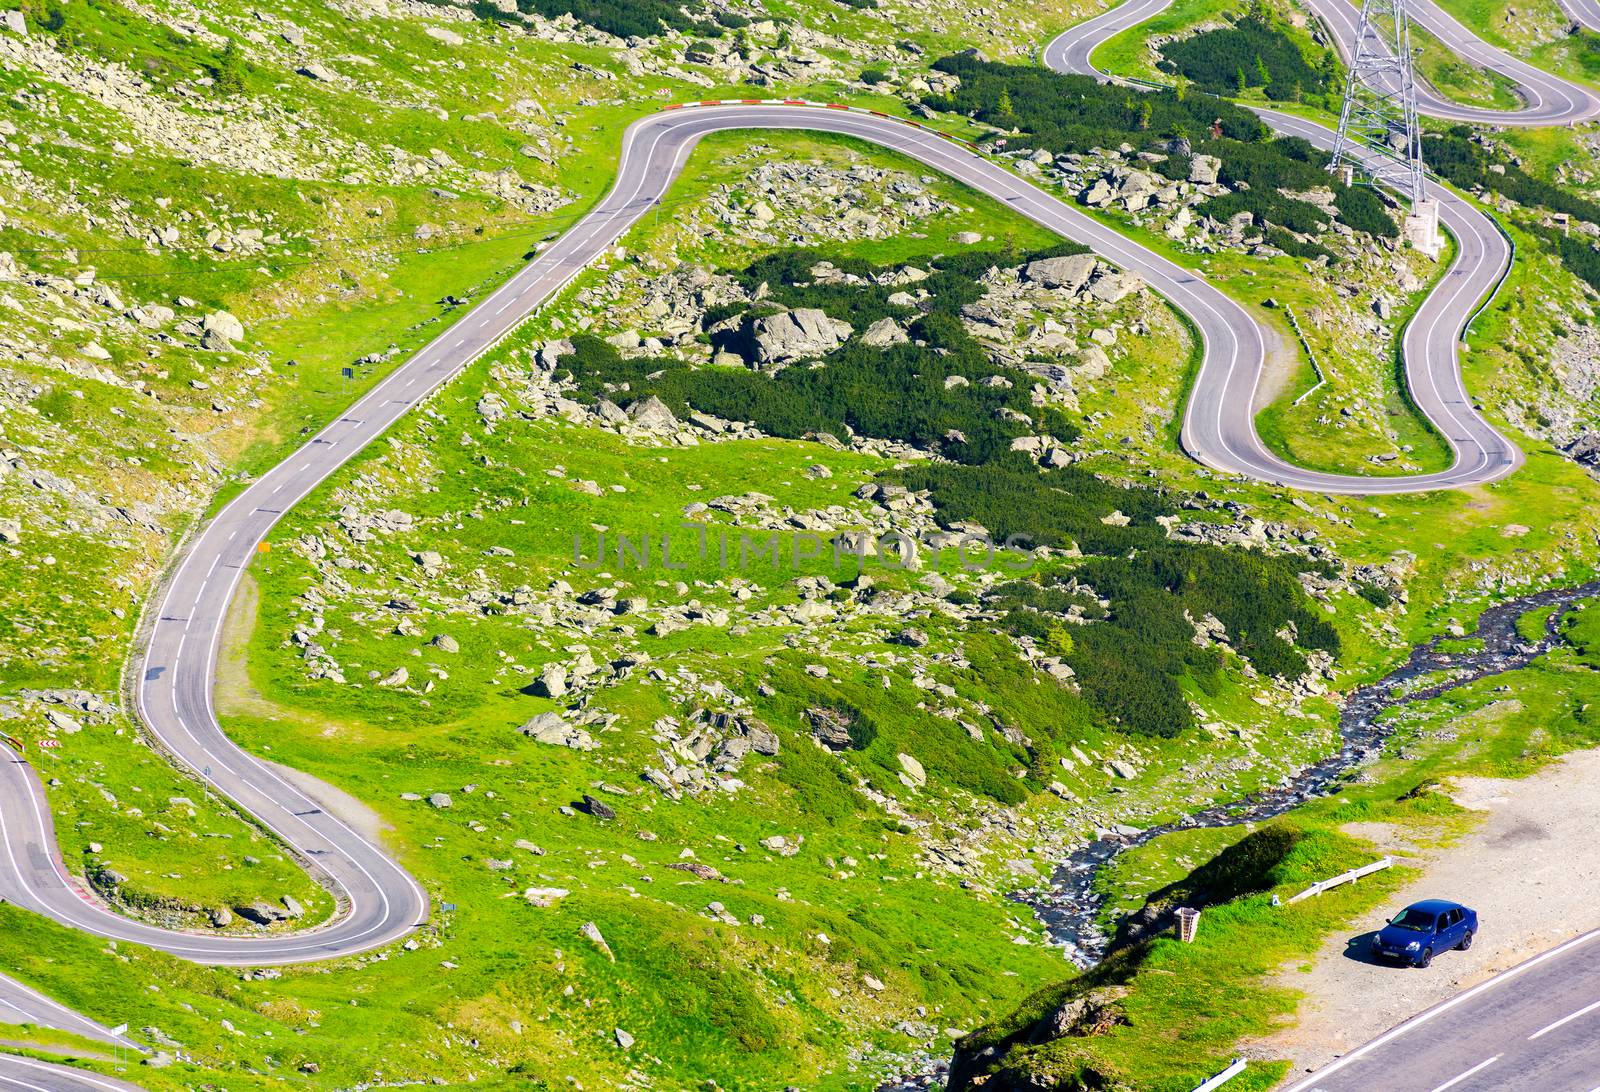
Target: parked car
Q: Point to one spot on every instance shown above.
(1423, 930)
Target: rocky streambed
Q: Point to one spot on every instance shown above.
(1071, 908)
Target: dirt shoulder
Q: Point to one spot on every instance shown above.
(1529, 870)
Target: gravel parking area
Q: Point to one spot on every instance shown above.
(1530, 870)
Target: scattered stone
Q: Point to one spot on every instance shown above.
(544, 897)
(591, 933)
(552, 728)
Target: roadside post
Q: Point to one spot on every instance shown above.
(1188, 924)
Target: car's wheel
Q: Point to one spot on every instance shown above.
(1425, 958)
(1466, 942)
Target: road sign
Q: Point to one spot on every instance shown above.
(263, 547)
(447, 907)
(49, 744)
(120, 1029)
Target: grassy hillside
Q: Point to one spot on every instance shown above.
(783, 847)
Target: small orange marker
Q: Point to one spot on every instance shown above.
(263, 547)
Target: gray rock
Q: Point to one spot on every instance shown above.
(224, 324)
(1203, 169)
(261, 913)
(591, 933)
(884, 333)
(831, 728)
(1069, 272)
(1111, 287)
(652, 413)
(795, 335)
(552, 681)
(440, 800)
(763, 740)
(553, 729)
(445, 643)
(598, 808)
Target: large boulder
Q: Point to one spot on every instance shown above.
(801, 334)
(1137, 190)
(1069, 272)
(652, 413)
(1585, 449)
(1111, 287)
(1203, 169)
(551, 728)
(884, 333)
(224, 325)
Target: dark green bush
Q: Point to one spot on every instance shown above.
(1132, 662)
(1254, 52)
(897, 393)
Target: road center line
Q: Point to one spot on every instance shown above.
(1480, 1067)
(1548, 1028)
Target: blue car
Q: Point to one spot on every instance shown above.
(1423, 930)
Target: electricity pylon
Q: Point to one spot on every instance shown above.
(1380, 103)
(1378, 132)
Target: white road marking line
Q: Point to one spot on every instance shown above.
(1480, 1067)
(82, 1075)
(1548, 1028)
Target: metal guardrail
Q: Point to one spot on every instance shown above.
(1341, 879)
(1235, 1068)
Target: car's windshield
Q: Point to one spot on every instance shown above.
(1415, 920)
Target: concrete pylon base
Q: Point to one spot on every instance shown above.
(1422, 228)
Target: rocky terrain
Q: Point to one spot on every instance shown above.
(715, 719)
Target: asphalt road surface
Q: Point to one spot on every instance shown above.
(27, 1075)
(1585, 13)
(21, 1005)
(379, 901)
(1534, 1028)
(1547, 99)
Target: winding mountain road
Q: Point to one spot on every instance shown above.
(1585, 13)
(379, 902)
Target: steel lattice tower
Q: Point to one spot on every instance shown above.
(1380, 103)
